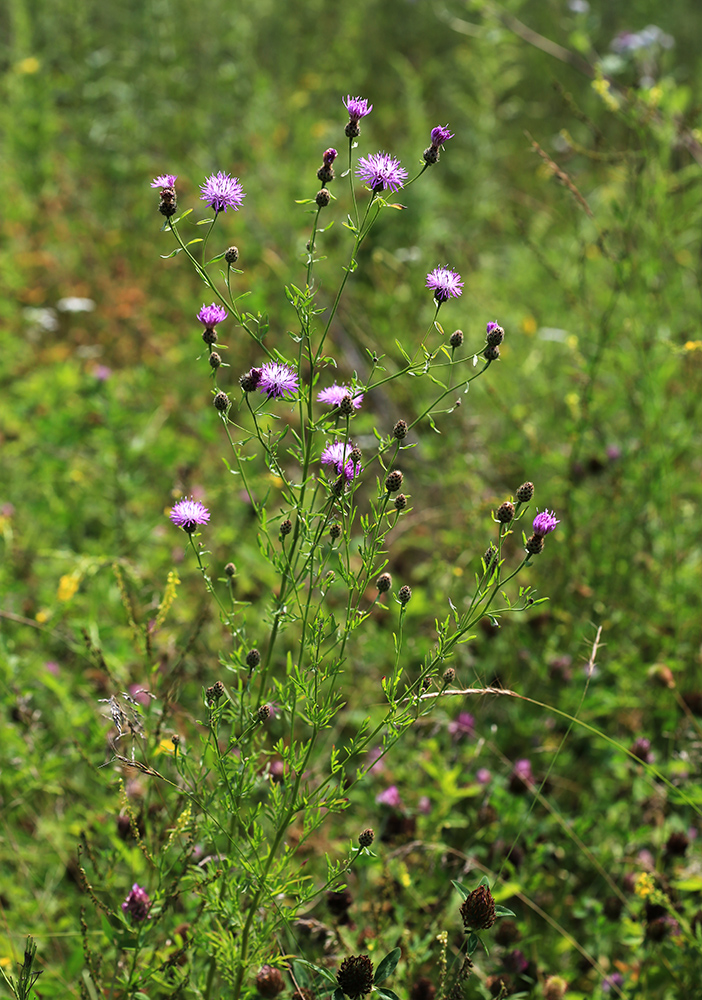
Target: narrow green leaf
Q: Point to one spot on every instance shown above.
(502, 911)
(465, 893)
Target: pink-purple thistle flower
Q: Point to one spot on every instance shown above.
(137, 904)
(357, 107)
(164, 181)
(381, 172)
(188, 514)
(335, 393)
(440, 135)
(390, 797)
(544, 523)
(222, 191)
(210, 316)
(328, 157)
(338, 454)
(445, 284)
(462, 726)
(278, 380)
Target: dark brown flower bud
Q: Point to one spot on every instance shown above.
(230, 569)
(449, 675)
(399, 431)
(232, 255)
(269, 982)
(535, 545)
(366, 838)
(400, 501)
(253, 658)
(323, 197)
(263, 713)
(335, 531)
(215, 360)
(393, 481)
(505, 512)
(491, 353)
(384, 582)
(285, 527)
(478, 910)
(250, 380)
(525, 492)
(404, 595)
(209, 336)
(456, 339)
(221, 402)
(218, 689)
(346, 405)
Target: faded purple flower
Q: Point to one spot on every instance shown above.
(187, 514)
(278, 380)
(390, 797)
(222, 191)
(641, 748)
(424, 805)
(521, 776)
(357, 107)
(515, 961)
(209, 316)
(381, 172)
(328, 157)
(544, 523)
(462, 726)
(335, 393)
(440, 135)
(616, 979)
(375, 755)
(164, 181)
(137, 904)
(483, 776)
(338, 454)
(445, 283)
(490, 327)
(102, 372)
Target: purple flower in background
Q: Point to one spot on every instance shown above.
(445, 283)
(544, 523)
(335, 393)
(462, 726)
(102, 372)
(483, 776)
(641, 748)
(209, 316)
(515, 961)
(357, 107)
(616, 979)
(278, 380)
(390, 797)
(338, 454)
(381, 172)
(424, 805)
(164, 181)
(521, 776)
(187, 514)
(328, 157)
(137, 904)
(222, 191)
(440, 135)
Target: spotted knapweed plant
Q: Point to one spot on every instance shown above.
(284, 741)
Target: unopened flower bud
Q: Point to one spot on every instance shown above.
(323, 197)
(491, 353)
(525, 492)
(449, 675)
(393, 481)
(494, 334)
(346, 405)
(355, 975)
(230, 569)
(285, 527)
(535, 545)
(456, 339)
(355, 456)
(490, 556)
(399, 431)
(232, 255)
(400, 501)
(555, 988)
(366, 837)
(221, 402)
(269, 982)
(218, 689)
(384, 582)
(263, 713)
(431, 154)
(335, 531)
(404, 595)
(253, 658)
(478, 910)
(505, 512)
(209, 335)
(168, 204)
(215, 360)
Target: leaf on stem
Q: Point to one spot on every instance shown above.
(387, 967)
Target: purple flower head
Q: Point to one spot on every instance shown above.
(440, 135)
(278, 380)
(209, 316)
(338, 454)
(335, 393)
(424, 805)
(521, 776)
(462, 726)
(328, 157)
(641, 748)
(445, 283)
(490, 327)
(381, 172)
(390, 797)
(137, 904)
(544, 523)
(515, 961)
(222, 191)
(483, 776)
(616, 979)
(164, 181)
(357, 107)
(187, 514)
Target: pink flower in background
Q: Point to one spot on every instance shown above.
(137, 904)
(390, 797)
(462, 726)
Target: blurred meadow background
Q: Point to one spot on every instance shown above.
(569, 200)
